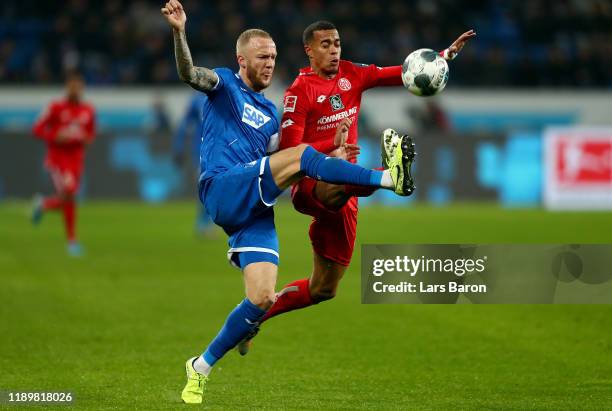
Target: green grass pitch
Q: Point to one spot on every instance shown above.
(116, 326)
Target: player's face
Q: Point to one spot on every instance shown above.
(74, 88)
(324, 51)
(260, 59)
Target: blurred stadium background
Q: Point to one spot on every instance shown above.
(524, 126)
(533, 66)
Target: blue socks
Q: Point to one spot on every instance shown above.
(238, 324)
(336, 171)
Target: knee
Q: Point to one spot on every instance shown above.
(299, 151)
(263, 300)
(337, 202)
(322, 293)
(335, 199)
(67, 195)
(300, 148)
(294, 158)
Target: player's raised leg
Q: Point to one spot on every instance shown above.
(335, 196)
(290, 165)
(259, 282)
(41, 204)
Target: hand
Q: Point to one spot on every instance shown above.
(458, 44)
(346, 152)
(175, 15)
(342, 132)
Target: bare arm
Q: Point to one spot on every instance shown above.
(451, 52)
(199, 78)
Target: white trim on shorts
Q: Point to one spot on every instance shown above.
(231, 252)
(262, 169)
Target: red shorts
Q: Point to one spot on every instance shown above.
(65, 179)
(332, 232)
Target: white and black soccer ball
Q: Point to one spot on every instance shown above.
(425, 72)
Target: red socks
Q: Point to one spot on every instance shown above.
(69, 219)
(292, 299)
(69, 209)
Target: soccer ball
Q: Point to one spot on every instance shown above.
(424, 72)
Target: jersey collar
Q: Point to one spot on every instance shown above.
(307, 71)
(245, 87)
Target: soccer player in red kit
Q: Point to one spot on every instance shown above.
(67, 126)
(323, 94)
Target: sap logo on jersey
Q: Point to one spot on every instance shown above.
(253, 117)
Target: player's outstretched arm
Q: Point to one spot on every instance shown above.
(200, 78)
(451, 52)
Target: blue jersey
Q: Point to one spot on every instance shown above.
(191, 126)
(239, 125)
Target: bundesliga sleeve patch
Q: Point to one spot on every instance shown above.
(290, 102)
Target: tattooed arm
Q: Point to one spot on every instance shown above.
(199, 78)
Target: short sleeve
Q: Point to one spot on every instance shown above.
(222, 78)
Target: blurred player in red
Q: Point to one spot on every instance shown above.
(67, 126)
(323, 94)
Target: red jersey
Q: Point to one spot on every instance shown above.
(77, 121)
(313, 106)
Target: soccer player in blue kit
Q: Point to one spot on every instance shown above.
(239, 182)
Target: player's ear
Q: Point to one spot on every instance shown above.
(241, 61)
(308, 50)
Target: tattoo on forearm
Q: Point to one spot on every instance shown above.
(199, 78)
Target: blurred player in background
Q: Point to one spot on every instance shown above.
(67, 126)
(190, 131)
(323, 94)
(240, 182)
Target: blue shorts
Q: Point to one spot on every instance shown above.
(240, 201)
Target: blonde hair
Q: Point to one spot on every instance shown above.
(247, 35)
